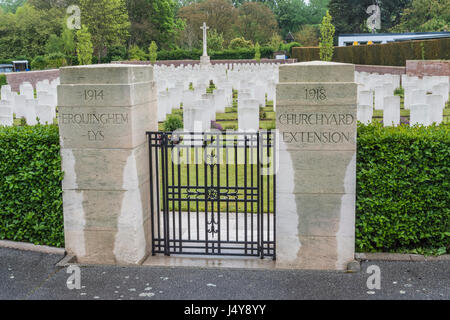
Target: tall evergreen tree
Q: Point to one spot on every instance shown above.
(84, 46)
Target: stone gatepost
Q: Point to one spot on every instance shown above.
(316, 184)
(104, 112)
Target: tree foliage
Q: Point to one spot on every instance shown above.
(153, 20)
(293, 14)
(26, 32)
(107, 22)
(152, 51)
(215, 40)
(308, 36)
(84, 46)
(256, 22)
(425, 15)
(219, 15)
(326, 38)
(350, 16)
(11, 5)
(240, 43)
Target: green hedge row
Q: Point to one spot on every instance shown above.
(403, 189)
(228, 54)
(3, 80)
(391, 54)
(30, 185)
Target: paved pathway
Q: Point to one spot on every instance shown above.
(31, 275)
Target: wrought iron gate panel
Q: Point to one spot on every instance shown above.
(213, 193)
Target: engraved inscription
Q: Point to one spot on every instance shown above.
(315, 135)
(100, 121)
(90, 95)
(319, 94)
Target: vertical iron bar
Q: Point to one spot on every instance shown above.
(205, 179)
(152, 195)
(245, 193)
(218, 190)
(274, 176)
(180, 218)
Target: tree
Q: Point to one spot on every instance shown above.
(350, 16)
(257, 52)
(291, 14)
(84, 46)
(240, 43)
(54, 44)
(275, 41)
(64, 44)
(256, 22)
(215, 40)
(107, 22)
(11, 5)
(26, 32)
(219, 15)
(48, 4)
(68, 41)
(152, 52)
(136, 53)
(308, 35)
(425, 15)
(153, 20)
(326, 38)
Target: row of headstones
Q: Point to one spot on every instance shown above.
(425, 98)
(187, 86)
(41, 109)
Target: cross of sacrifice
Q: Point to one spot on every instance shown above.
(204, 28)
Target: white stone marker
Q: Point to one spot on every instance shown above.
(104, 113)
(391, 114)
(316, 119)
(419, 115)
(365, 114)
(379, 97)
(26, 89)
(436, 104)
(6, 114)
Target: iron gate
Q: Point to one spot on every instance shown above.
(213, 193)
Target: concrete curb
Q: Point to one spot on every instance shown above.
(31, 247)
(399, 257)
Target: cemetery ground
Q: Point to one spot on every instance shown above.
(34, 275)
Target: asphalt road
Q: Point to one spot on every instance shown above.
(31, 275)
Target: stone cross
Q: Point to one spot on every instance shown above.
(204, 28)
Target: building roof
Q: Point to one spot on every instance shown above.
(289, 36)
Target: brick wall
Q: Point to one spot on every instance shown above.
(428, 68)
(16, 78)
(380, 69)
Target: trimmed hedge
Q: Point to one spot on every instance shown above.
(3, 80)
(390, 54)
(228, 54)
(30, 185)
(403, 189)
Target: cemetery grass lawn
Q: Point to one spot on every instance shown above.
(178, 175)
